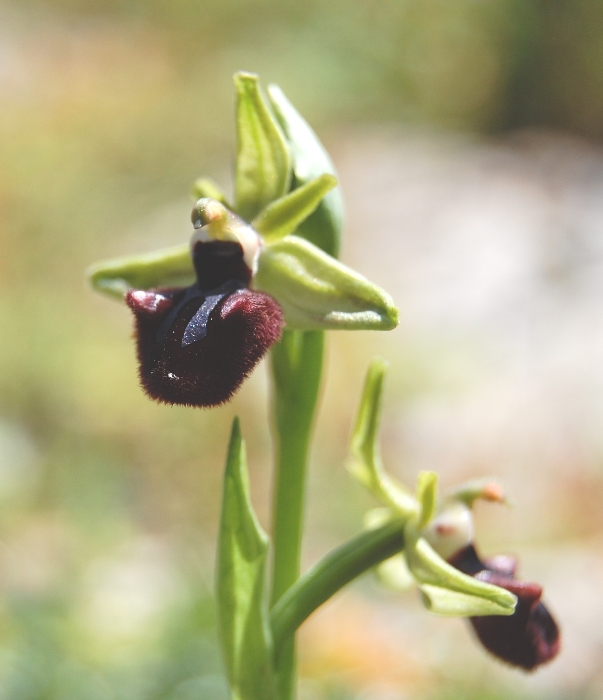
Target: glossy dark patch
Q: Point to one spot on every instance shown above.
(217, 262)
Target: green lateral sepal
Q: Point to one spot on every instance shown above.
(241, 595)
(430, 570)
(169, 267)
(393, 573)
(316, 292)
(443, 601)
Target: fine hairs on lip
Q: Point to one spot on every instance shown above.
(197, 344)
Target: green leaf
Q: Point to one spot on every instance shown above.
(170, 267)
(443, 601)
(310, 159)
(263, 163)
(243, 620)
(366, 465)
(429, 568)
(204, 187)
(316, 292)
(284, 215)
(426, 495)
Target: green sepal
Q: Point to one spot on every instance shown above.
(316, 292)
(243, 620)
(428, 568)
(394, 574)
(284, 215)
(263, 163)
(377, 517)
(427, 483)
(310, 159)
(443, 601)
(365, 464)
(445, 589)
(169, 267)
(204, 187)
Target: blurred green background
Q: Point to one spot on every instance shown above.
(474, 117)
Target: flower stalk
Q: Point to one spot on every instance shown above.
(296, 365)
(331, 574)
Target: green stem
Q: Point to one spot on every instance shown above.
(296, 369)
(330, 574)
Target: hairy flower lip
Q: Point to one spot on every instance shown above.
(149, 302)
(197, 344)
(528, 638)
(207, 369)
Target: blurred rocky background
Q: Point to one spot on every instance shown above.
(467, 136)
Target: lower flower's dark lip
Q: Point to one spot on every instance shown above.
(528, 638)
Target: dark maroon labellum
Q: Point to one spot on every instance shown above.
(529, 637)
(197, 344)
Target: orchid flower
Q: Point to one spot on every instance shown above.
(206, 313)
(439, 553)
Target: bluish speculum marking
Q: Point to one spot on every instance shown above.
(197, 326)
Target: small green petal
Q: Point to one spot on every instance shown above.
(316, 292)
(170, 267)
(443, 601)
(486, 489)
(263, 163)
(284, 215)
(427, 483)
